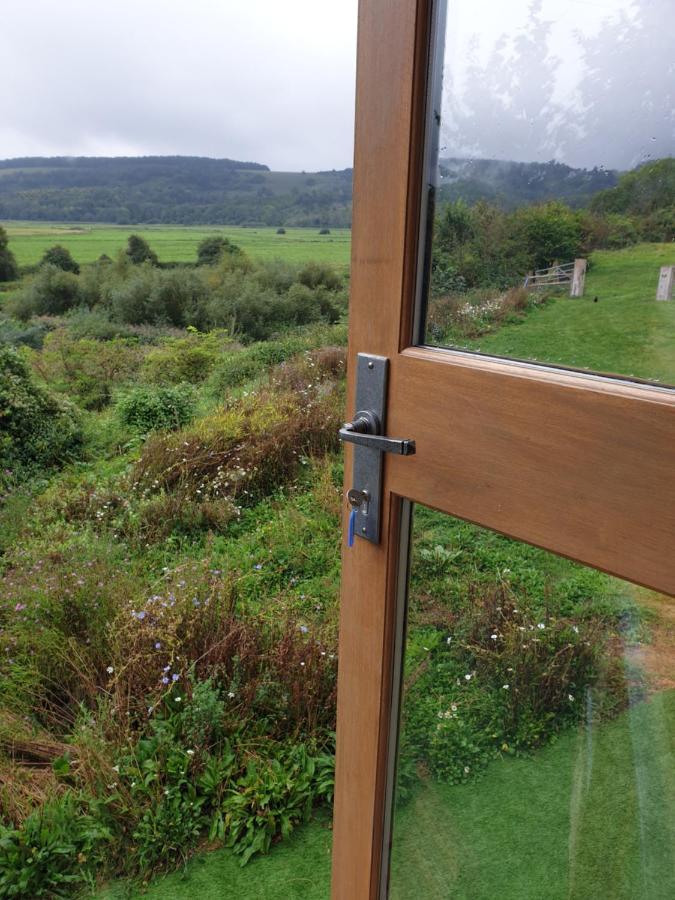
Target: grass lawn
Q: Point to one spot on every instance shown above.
(297, 869)
(176, 243)
(591, 816)
(626, 332)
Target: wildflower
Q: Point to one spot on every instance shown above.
(448, 640)
(467, 677)
(116, 769)
(19, 607)
(493, 637)
(165, 680)
(150, 709)
(231, 695)
(575, 629)
(454, 707)
(175, 676)
(158, 645)
(541, 626)
(166, 668)
(177, 699)
(304, 629)
(302, 663)
(570, 698)
(466, 770)
(190, 752)
(258, 566)
(110, 670)
(505, 687)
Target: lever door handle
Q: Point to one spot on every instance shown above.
(401, 446)
(363, 431)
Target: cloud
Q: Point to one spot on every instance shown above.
(255, 80)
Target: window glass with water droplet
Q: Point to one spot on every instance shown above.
(536, 750)
(551, 176)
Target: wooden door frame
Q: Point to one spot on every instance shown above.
(578, 464)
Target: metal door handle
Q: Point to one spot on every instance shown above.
(352, 435)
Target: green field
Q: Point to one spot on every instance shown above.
(626, 332)
(176, 243)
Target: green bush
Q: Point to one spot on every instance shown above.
(61, 258)
(55, 852)
(9, 271)
(212, 249)
(622, 231)
(18, 334)
(50, 292)
(659, 226)
(138, 251)
(146, 409)
(188, 359)
(85, 369)
(36, 429)
(549, 232)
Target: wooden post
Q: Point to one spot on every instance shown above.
(664, 291)
(578, 278)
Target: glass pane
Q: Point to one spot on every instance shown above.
(555, 185)
(537, 738)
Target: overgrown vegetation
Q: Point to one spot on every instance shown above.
(169, 565)
(251, 301)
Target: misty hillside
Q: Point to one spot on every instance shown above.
(511, 184)
(191, 190)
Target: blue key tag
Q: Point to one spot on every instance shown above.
(351, 527)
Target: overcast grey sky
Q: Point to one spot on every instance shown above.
(588, 82)
(259, 80)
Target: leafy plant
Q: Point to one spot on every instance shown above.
(147, 409)
(55, 851)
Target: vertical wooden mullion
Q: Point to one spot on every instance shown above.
(391, 67)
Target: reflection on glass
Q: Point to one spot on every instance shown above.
(537, 743)
(557, 136)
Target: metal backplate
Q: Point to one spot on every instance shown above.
(371, 394)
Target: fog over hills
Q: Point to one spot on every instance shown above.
(203, 191)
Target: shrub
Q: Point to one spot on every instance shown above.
(138, 250)
(313, 275)
(324, 231)
(50, 292)
(212, 249)
(54, 853)
(9, 271)
(189, 359)
(146, 409)
(499, 682)
(87, 369)
(281, 231)
(61, 258)
(243, 453)
(16, 334)
(549, 232)
(660, 225)
(36, 430)
(622, 231)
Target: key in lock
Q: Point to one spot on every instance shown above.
(358, 499)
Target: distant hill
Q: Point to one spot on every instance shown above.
(182, 190)
(512, 184)
(194, 190)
